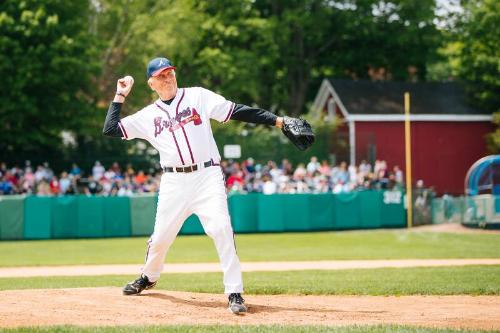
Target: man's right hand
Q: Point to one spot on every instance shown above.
(123, 87)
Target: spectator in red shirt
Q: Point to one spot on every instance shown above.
(55, 188)
(235, 182)
(140, 178)
(10, 177)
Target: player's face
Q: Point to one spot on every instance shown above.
(164, 83)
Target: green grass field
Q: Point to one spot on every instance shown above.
(242, 329)
(396, 244)
(466, 280)
(377, 244)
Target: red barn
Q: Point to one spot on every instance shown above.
(447, 136)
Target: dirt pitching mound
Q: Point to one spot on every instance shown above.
(107, 307)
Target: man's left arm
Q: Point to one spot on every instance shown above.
(298, 130)
(256, 116)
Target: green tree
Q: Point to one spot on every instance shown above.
(305, 32)
(480, 60)
(479, 57)
(133, 32)
(60, 60)
(396, 38)
(471, 53)
(360, 39)
(46, 65)
(493, 139)
(128, 34)
(472, 56)
(271, 53)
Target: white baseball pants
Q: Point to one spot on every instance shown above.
(202, 193)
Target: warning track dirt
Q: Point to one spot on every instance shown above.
(89, 270)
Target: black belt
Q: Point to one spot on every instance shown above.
(190, 168)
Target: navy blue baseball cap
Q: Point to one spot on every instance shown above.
(158, 65)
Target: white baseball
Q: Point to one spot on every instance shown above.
(129, 78)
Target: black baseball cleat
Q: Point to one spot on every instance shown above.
(236, 303)
(135, 287)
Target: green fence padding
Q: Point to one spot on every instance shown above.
(347, 210)
(142, 214)
(392, 212)
(370, 204)
(117, 217)
(90, 216)
(322, 211)
(11, 217)
(192, 226)
(270, 213)
(81, 216)
(64, 217)
(296, 212)
(37, 217)
(243, 211)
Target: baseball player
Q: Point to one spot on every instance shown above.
(177, 124)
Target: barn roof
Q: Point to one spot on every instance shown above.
(374, 98)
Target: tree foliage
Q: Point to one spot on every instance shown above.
(480, 53)
(47, 66)
(60, 59)
(475, 59)
(270, 53)
(470, 53)
(493, 139)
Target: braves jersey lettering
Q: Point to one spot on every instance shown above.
(175, 123)
(190, 111)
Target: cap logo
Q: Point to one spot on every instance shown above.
(161, 62)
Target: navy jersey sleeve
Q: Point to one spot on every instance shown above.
(112, 122)
(253, 115)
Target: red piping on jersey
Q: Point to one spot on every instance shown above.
(183, 130)
(173, 135)
(230, 112)
(123, 129)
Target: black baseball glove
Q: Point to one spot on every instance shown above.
(298, 131)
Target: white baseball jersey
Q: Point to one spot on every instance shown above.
(181, 131)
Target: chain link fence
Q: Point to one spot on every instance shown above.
(481, 210)
(448, 209)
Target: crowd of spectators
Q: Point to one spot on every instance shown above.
(244, 177)
(313, 177)
(113, 181)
